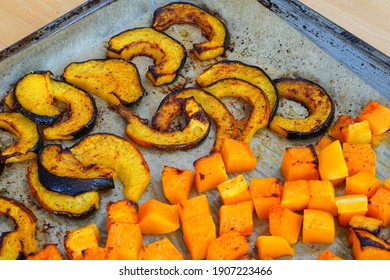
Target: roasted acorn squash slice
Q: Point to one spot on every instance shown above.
(185, 13)
(25, 222)
(314, 98)
(250, 73)
(253, 95)
(10, 246)
(119, 154)
(81, 113)
(29, 140)
(168, 54)
(114, 80)
(33, 97)
(196, 129)
(58, 203)
(61, 172)
(169, 108)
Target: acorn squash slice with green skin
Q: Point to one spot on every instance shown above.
(214, 29)
(60, 171)
(29, 139)
(81, 113)
(168, 54)
(121, 155)
(33, 97)
(195, 131)
(25, 223)
(115, 80)
(61, 204)
(250, 73)
(169, 108)
(316, 101)
(253, 95)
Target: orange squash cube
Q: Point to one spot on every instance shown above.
(379, 206)
(272, 247)
(237, 156)
(335, 131)
(357, 133)
(47, 252)
(331, 163)
(285, 223)
(156, 217)
(367, 246)
(359, 157)
(160, 250)
(322, 143)
(377, 115)
(328, 255)
(372, 225)
(198, 233)
(386, 184)
(322, 196)
(229, 246)
(295, 195)
(125, 239)
(124, 211)
(176, 183)
(235, 190)
(350, 205)
(209, 172)
(265, 192)
(299, 163)
(237, 217)
(318, 227)
(362, 182)
(80, 239)
(197, 205)
(99, 253)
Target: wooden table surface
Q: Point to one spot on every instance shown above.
(367, 19)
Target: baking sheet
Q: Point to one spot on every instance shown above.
(258, 37)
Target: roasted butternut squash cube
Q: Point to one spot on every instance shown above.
(318, 227)
(47, 252)
(99, 253)
(359, 157)
(229, 246)
(335, 131)
(322, 143)
(234, 190)
(362, 182)
(295, 195)
(372, 225)
(124, 211)
(377, 115)
(176, 183)
(357, 133)
(80, 239)
(198, 233)
(285, 223)
(156, 217)
(125, 239)
(238, 217)
(209, 172)
(328, 255)
(379, 206)
(322, 196)
(265, 192)
(367, 246)
(349, 206)
(237, 156)
(331, 163)
(299, 163)
(194, 206)
(272, 247)
(160, 250)
(386, 184)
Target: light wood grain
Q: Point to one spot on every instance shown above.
(367, 19)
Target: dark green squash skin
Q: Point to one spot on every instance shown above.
(71, 185)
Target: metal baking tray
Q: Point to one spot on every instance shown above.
(285, 38)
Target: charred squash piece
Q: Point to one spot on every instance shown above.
(33, 97)
(59, 171)
(10, 246)
(239, 70)
(25, 223)
(170, 107)
(29, 140)
(168, 54)
(114, 80)
(185, 13)
(58, 203)
(253, 95)
(195, 131)
(118, 153)
(367, 246)
(81, 113)
(314, 98)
